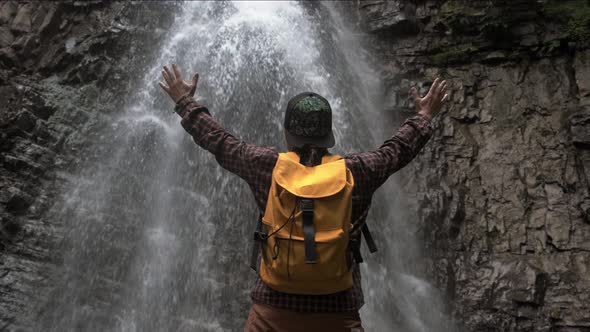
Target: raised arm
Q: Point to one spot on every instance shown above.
(243, 159)
(371, 169)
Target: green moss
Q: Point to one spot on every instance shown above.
(457, 7)
(454, 54)
(574, 14)
(461, 16)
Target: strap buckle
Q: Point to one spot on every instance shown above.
(308, 230)
(307, 205)
(260, 236)
(355, 248)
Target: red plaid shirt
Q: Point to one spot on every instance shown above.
(255, 164)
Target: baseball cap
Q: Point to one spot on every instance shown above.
(308, 120)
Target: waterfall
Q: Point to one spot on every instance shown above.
(158, 236)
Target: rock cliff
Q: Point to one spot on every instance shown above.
(59, 64)
(502, 190)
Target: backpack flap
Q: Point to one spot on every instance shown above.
(310, 182)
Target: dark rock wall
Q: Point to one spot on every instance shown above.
(502, 190)
(65, 69)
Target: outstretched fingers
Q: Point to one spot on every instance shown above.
(177, 72)
(437, 91)
(433, 88)
(444, 96)
(170, 74)
(167, 77)
(414, 93)
(164, 87)
(441, 89)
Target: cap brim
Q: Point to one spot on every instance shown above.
(327, 141)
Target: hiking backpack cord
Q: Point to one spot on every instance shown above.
(355, 239)
(260, 237)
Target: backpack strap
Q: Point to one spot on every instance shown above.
(369, 238)
(355, 238)
(308, 230)
(259, 241)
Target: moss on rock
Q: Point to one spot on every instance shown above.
(574, 14)
(461, 16)
(455, 54)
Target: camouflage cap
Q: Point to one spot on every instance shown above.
(308, 120)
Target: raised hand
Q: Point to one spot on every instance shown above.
(431, 104)
(175, 86)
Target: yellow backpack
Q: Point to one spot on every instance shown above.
(306, 227)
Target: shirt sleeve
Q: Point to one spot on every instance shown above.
(371, 169)
(248, 161)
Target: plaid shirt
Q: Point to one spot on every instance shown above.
(255, 164)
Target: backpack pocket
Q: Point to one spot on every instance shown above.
(286, 257)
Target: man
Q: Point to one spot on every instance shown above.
(308, 132)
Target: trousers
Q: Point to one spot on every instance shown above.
(264, 318)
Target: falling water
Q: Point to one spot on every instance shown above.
(159, 235)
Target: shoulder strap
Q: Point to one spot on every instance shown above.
(259, 240)
(355, 238)
(369, 238)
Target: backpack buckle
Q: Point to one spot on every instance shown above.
(355, 248)
(307, 205)
(260, 236)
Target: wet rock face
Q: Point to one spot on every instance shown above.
(64, 69)
(502, 190)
